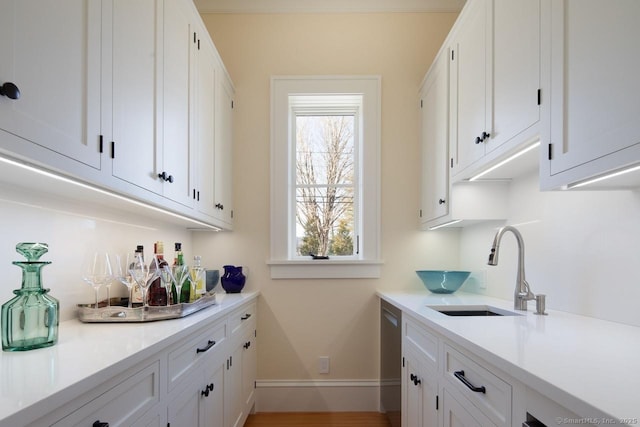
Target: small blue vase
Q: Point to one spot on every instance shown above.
(233, 279)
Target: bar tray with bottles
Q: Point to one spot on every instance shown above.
(120, 313)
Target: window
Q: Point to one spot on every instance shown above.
(325, 177)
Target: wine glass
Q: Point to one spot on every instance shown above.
(167, 280)
(123, 275)
(97, 271)
(178, 274)
(143, 275)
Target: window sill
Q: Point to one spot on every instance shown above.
(325, 269)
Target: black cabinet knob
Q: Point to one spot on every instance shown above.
(485, 135)
(441, 201)
(10, 90)
(98, 423)
(478, 140)
(220, 206)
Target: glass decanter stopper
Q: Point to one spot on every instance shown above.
(30, 319)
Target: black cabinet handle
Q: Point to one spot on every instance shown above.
(210, 344)
(100, 424)
(10, 90)
(207, 390)
(220, 206)
(485, 135)
(415, 379)
(246, 316)
(247, 345)
(460, 375)
(478, 140)
(165, 177)
(442, 201)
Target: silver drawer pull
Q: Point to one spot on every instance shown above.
(460, 375)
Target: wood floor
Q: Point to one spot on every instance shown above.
(317, 419)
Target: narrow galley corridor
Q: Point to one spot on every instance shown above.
(317, 419)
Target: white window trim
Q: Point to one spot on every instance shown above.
(282, 265)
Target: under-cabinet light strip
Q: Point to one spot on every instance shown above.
(435, 227)
(505, 161)
(603, 177)
(46, 173)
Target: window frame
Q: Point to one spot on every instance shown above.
(284, 263)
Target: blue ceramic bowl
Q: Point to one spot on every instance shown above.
(442, 281)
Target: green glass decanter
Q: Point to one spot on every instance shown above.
(30, 319)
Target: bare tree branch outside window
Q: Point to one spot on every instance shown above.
(325, 162)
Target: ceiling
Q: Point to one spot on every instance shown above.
(327, 6)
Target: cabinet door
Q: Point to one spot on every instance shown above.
(178, 35)
(594, 105)
(249, 368)
(51, 52)
(434, 136)
(516, 71)
(224, 149)
(212, 405)
(204, 128)
(136, 77)
(420, 386)
(469, 70)
(233, 408)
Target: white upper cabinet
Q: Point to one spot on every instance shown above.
(151, 89)
(495, 82)
(204, 128)
(224, 150)
(136, 82)
(176, 144)
(469, 69)
(51, 53)
(591, 57)
(434, 141)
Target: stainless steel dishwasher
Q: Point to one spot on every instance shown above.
(390, 362)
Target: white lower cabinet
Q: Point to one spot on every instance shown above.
(206, 379)
(120, 401)
(420, 386)
(446, 385)
(459, 412)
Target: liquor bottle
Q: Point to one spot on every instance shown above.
(179, 260)
(197, 276)
(157, 293)
(136, 294)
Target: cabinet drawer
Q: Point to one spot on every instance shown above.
(241, 317)
(121, 404)
(423, 341)
(190, 351)
(464, 374)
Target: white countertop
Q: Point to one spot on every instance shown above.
(589, 366)
(35, 382)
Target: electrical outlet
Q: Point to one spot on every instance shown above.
(323, 364)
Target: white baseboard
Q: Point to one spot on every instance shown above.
(317, 396)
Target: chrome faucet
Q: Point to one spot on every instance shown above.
(523, 292)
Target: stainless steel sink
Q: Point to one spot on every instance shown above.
(472, 310)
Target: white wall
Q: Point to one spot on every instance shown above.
(581, 250)
(72, 228)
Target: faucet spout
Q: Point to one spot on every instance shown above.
(522, 292)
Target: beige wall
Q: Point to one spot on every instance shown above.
(300, 320)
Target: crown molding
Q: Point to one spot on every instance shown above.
(327, 6)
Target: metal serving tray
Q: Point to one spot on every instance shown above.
(118, 313)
